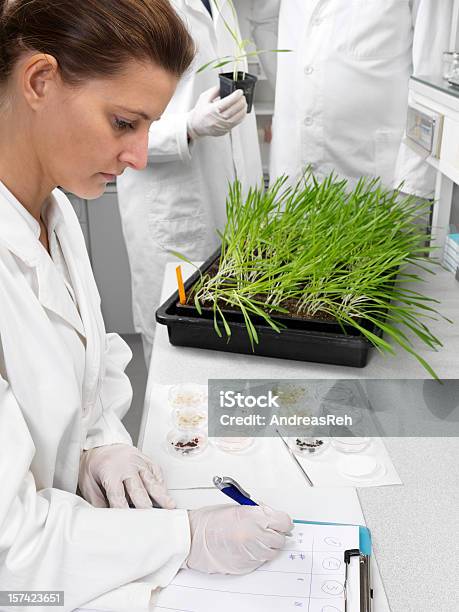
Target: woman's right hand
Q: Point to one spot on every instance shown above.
(231, 539)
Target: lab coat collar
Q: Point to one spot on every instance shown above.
(19, 233)
(225, 9)
(54, 295)
(198, 6)
(52, 214)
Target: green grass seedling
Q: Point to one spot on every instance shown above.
(354, 256)
(241, 46)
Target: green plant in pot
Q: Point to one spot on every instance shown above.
(238, 78)
(319, 251)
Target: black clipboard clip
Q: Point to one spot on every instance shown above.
(366, 592)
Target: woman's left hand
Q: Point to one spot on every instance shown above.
(114, 474)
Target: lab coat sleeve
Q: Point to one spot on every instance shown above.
(124, 599)
(431, 31)
(115, 396)
(264, 20)
(53, 540)
(168, 139)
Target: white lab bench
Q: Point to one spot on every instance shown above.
(414, 526)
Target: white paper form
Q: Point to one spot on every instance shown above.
(308, 575)
(316, 504)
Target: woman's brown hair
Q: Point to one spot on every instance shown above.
(94, 38)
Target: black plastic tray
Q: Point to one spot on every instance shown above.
(301, 339)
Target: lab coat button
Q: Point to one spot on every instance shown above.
(308, 121)
(316, 21)
(308, 70)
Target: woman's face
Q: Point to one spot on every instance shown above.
(86, 136)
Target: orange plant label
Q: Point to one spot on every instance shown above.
(181, 286)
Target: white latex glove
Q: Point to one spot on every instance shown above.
(213, 116)
(235, 539)
(110, 472)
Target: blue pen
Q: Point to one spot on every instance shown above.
(232, 489)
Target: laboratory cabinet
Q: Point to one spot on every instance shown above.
(80, 206)
(433, 131)
(101, 224)
(435, 104)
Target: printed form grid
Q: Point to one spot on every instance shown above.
(323, 551)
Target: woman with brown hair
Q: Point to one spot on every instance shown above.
(80, 84)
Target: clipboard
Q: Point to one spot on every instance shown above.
(309, 573)
(363, 555)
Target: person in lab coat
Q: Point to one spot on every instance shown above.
(200, 144)
(79, 86)
(342, 95)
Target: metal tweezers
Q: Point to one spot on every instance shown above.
(303, 471)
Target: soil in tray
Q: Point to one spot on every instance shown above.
(289, 305)
(292, 317)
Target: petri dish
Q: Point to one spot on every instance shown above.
(339, 393)
(296, 400)
(292, 394)
(187, 395)
(342, 410)
(307, 446)
(350, 444)
(186, 419)
(233, 444)
(361, 467)
(186, 444)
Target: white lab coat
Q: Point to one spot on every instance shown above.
(62, 389)
(178, 201)
(341, 98)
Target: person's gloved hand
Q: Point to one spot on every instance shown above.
(108, 473)
(231, 539)
(213, 116)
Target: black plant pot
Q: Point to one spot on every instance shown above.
(301, 339)
(245, 81)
